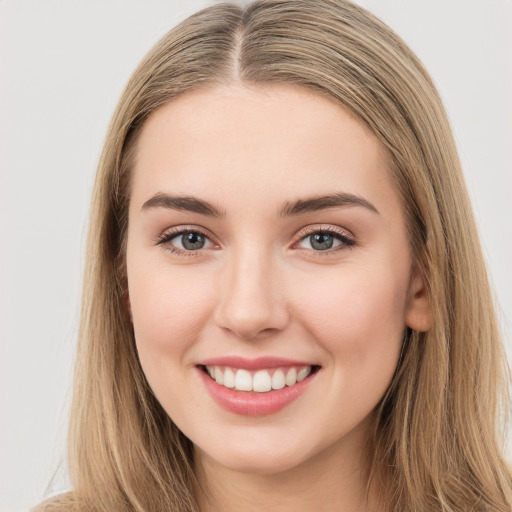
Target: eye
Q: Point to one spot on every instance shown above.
(185, 241)
(325, 239)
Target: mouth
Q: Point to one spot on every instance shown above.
(258, 387)
(263, 380)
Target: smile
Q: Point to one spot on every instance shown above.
(256, 387)
(261, 381)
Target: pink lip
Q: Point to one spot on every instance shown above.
(251, 403)
(259, 363)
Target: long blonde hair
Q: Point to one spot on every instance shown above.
(438, 426)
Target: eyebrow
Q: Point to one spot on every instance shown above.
(187, 203)
(314, 204)
(289, 209)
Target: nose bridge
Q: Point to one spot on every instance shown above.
(251, 300)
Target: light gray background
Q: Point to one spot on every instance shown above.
(63, 65)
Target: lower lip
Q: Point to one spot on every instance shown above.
(252, 403)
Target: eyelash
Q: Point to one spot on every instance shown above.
(166, 238)
(347, 242)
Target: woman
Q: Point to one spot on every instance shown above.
(285, 302)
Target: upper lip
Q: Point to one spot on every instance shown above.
(258, 363)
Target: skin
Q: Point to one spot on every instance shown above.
(258, 288)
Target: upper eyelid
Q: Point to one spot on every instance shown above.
(321, 228)
(178, 230)
(331, 230)
(307, 230)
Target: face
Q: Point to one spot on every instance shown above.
(269, 274)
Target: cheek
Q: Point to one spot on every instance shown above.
(358, 320)
(169, 309)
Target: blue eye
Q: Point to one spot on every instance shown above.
(325, 240)
(185, 241)
(321, 241)
(188, 241)
(192, 241)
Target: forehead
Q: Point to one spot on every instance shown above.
(257, 144)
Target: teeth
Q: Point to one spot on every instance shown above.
(303, 373)
(261, 381)
(291, 377)
(278, 381)
(229, 378)
(243, 381)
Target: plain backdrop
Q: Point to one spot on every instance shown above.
(63, 65)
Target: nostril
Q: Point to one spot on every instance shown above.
(251, 305)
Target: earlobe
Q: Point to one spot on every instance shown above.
(418, 314)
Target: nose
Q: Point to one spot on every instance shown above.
(251, 302)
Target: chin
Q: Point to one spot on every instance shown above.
(258, 456)
(258, 464)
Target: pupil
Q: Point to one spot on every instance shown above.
(192, 241)
(321, 241)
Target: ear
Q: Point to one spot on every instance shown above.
(418, 312)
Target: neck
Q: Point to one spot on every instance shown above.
(331, 481)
